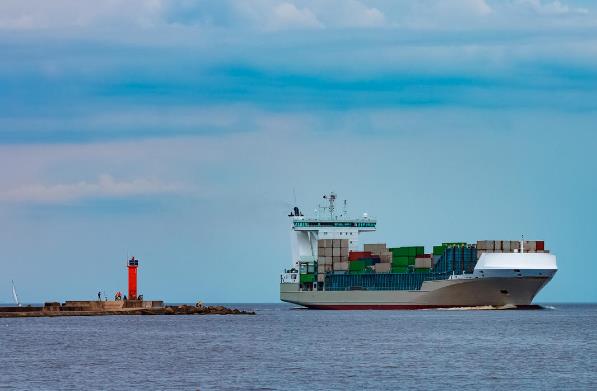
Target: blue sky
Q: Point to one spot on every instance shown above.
(176, 131)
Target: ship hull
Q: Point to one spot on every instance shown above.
(498, 291)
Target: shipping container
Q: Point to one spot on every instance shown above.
(454, 244)
(336, 251)
(343, 243)
(401, 261)
(341, 266)
(530, 246)
(438, 250)
(343, 251)
(354, 255)
(386, 257)
(357, 265)
(422, 263)
(383, 267)
(307, 278)
(506, 246)
(485, 245)
(324, 268)
(515, 246)
(540, 245)
(336, 243)
(376, 248)
(328, 252)
(411, 251)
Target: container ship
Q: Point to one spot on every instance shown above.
(332, 270)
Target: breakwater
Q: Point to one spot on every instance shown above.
(122, 307)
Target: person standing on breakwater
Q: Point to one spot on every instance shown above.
(99, 296)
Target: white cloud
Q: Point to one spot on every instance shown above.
(105, 187)
(167, 18)
(60, 14)
(348, 14)
(551, 7)
(287, 15)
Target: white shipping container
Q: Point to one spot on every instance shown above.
(506, 246)
(375, 248)
(324, 268)
(514, 245)
(340, 266)
(530, 246)
(485, 244)
(385, 257)
(422, 263)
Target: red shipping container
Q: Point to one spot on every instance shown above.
(356, 255)
(540, 245)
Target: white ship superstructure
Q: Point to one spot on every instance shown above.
(327, 224)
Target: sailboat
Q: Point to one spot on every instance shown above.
(14, 294)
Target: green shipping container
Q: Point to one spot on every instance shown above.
(367, 261)
(401, 261)
(307, 278)
(421, 270)
(399, 251)
(438, 250)
(411, 251)
(357, 265)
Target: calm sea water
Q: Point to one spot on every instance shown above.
(288, 349)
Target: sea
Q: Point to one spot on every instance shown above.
(286, 348)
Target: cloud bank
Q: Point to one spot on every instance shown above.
(105, 187)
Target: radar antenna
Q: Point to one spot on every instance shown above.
(331, 198)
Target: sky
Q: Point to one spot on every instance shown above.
(178, 131)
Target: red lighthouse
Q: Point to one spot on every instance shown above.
(132, 265)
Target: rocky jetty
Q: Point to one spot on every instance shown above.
(106, 308)
(204, 310)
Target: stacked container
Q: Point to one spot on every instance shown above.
(509, 246)
(332, 256)
(457, 258)
(403, 257)
(385, 257)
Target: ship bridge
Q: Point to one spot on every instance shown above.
(327, 224)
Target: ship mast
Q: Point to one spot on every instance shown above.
(331, 198)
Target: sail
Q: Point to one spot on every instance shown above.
(14, 294)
